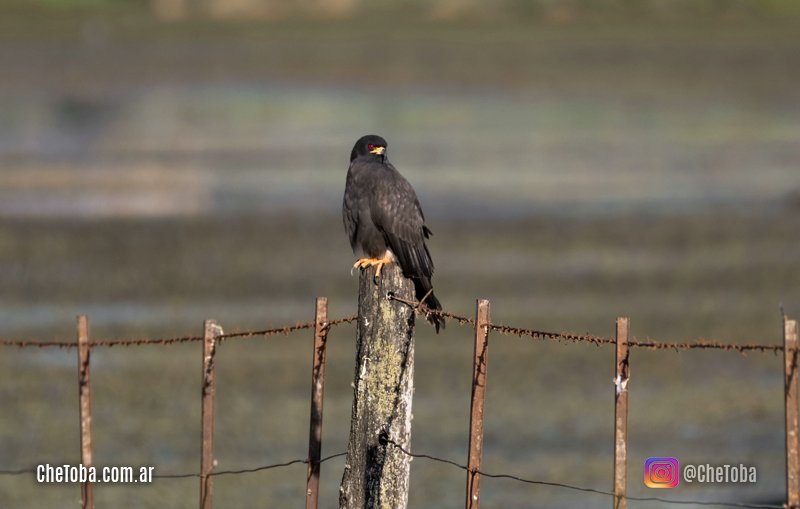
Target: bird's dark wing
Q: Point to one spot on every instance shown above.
(352, 199)
(362, 177)
(395, 209)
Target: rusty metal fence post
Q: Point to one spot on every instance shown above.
(211, 333)
(622, 374)
(85, 401)
(317, 394)
(791, 394)
(480, 362)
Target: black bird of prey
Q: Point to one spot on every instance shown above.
(383, 218)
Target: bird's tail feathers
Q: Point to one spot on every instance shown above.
(429, 303)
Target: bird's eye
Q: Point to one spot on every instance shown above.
(370, 147)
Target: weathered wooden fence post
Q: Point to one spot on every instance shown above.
(376, 472)
(317, 394)
(85, 398)
(791, 394)
(211, 333)
(622, 372)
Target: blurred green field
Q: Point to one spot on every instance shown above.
(574, 166)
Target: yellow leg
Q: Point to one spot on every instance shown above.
(363, 263)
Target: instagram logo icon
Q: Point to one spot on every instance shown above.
(661, 472)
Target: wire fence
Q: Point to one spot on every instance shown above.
(322, 326)
(508, 330)
(437, 459)
(246, 334)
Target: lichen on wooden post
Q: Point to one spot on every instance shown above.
(376, 472)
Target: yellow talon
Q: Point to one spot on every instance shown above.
(363, 263)
(380, 265)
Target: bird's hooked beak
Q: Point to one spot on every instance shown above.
(378, 151)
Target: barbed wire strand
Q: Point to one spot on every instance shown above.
(284, 330)
(650, 344)
(701, 343)
(508, 330)
(574, 487)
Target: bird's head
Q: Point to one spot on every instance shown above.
(369, 145)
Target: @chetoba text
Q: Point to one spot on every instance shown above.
(666, 472)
